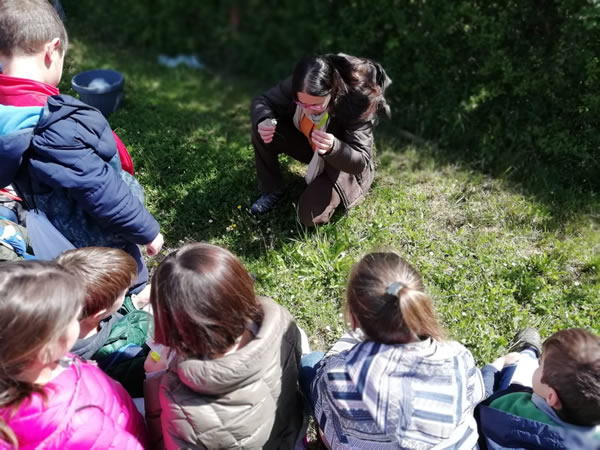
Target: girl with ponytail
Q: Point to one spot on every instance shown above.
(49, 398)
(322, 115)
(395, 382)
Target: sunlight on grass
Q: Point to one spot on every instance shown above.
(495, 259)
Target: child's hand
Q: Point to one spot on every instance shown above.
(322, 142)
(266, 129)
(154, 247)
(506, 360)
(157, 360)
(511, 358)
(142, 299)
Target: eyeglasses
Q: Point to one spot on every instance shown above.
(317, 107)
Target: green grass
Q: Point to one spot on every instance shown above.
(495, 254)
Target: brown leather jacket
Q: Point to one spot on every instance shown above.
(349, 165)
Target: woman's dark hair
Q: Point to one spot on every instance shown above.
(356, 85)
(203, 300)
(390, 317)
(38, 301)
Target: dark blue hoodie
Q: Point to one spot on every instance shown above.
(63, 160)
(502, 430)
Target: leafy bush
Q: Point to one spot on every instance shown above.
(508, 84)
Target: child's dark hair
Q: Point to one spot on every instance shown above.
(387, 297)
(203, 299)
(27, 25)
(356, 85)
(38, 300)
(105, 272)
(572, 368)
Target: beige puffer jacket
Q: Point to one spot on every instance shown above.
(245, 400)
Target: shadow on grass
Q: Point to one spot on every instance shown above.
(189, 135)
(568, 191)
(188, 132)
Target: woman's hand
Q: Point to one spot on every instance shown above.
(322, 142)
(266, 129)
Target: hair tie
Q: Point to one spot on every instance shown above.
(394, 288)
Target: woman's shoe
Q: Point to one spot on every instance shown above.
(266, 202)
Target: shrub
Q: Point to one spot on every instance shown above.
(507, 84)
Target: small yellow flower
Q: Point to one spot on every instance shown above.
(239, 206)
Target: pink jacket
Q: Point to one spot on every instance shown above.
(85, 409)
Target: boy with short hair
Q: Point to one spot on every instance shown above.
(26, 28)
(58, 152)
(562, 408)
(112, 331)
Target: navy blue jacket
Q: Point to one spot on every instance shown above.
(67, 165)
(501, 430)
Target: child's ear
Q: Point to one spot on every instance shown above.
(94, 318)
(99, 315)
(553, 400)
(51, 50)
(354, 323)
(44, 357)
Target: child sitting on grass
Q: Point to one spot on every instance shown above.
(59, 153)
(48, 397)
(233, 381)
(18, 88)
(113, 331)
(561, 408)
(402, 385)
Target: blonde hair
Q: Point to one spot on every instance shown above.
(38, 300)
(387, 297)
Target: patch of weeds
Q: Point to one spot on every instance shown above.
(493, 257)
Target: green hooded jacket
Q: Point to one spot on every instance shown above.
(131, 329)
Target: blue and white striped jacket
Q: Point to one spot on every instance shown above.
(418, 396)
